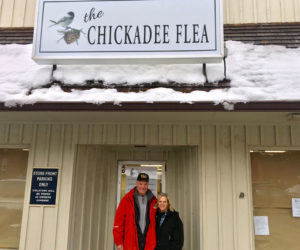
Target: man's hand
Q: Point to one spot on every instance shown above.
(120, 247)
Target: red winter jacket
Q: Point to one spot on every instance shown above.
(125, 230)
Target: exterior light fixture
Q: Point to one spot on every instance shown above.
(275, 151)
(268, 151)
(151, 165)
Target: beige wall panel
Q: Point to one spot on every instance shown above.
(275, 10)
(225, 11)
(81, 190)
(27, 133)
(19, 13)
(6, 14)
(111, 134)
(248, 7)
(65, 187)
(194, 182)
(49, 228)
(50, 216)
(97, 134)
(155, 155)
(233, 11)
(297, 9)
(180, 134)
(111, 199)
(171, 177)
(211, 222)
(125, 134)
(226, 221)
(261, 10)
(241, 182)
(295, 135)
(29, 13)
(283, 135)
(166, 134)
(190, 197)
(87, 234)
(34, 229)
(138, 134)
(78, 191)
(88, 199)
(153, 134)
(4, 133)
(41, 153)
(288, 12)
(139, 155)
(98, 206)
(124, 155)
(194, 135)
(84, 133)
(55, 146)
(268, 135)
(253, 134)
(15, 134)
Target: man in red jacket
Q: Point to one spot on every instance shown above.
(134, 226)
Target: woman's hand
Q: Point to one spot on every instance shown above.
(120, 247)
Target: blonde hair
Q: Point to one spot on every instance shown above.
(170, 207)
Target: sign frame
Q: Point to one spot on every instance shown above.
(133, 56)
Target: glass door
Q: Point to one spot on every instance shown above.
(13, 169)
(129, 170)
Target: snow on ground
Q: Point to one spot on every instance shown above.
(257, 73)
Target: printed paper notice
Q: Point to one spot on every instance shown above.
(261, 225)
(296, 207)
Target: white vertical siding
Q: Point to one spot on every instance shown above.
(210, 164)
(21, 13)
(261, 11)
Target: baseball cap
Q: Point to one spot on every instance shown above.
(143, 177)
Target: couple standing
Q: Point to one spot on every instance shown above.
(143, 222)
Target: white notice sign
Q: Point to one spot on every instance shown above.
(261, 225)
(296, 207)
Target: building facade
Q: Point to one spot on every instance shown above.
(211, 157)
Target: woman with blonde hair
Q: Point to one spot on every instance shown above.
(169, 228)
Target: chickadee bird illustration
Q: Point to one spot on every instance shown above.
(64, 21)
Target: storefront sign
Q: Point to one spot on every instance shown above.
(43, 186)
(128, 31)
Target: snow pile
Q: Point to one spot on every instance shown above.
(257, 73)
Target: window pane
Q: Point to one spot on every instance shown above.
(10, 225)
(275, 181)
(13, 166)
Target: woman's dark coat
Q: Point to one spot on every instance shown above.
(169, 236)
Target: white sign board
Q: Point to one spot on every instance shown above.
(296, 207)
(261, 225)
(128, 31)
(133, 172)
